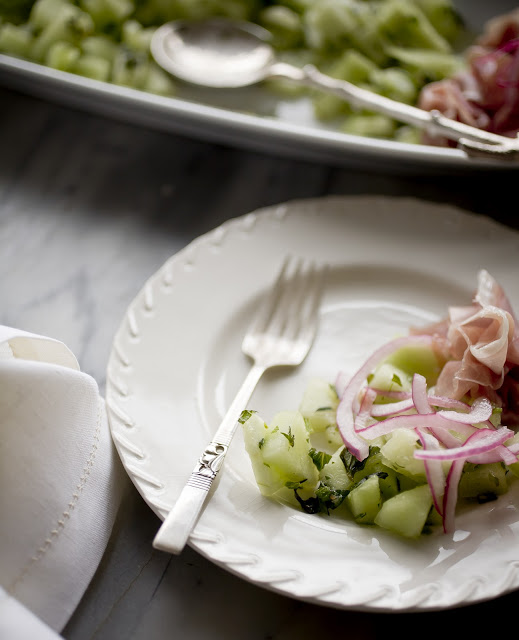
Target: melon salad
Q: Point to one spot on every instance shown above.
(428, 422)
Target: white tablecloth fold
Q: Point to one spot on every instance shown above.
(60, 482)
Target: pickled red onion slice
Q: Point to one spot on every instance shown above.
(391, 408)
(488, 439)
(364, 416)
(450, 497)
(433, 470)
(480, 412)
(415, 421)
(349, 402)
(419, 394)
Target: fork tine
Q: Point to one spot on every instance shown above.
(292, 297)
(262, 318)
(299, 288)
(302, 321)
(314, 293)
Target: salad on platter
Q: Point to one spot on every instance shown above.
(427, 424)
(412, 51)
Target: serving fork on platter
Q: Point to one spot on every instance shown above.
(281, 335)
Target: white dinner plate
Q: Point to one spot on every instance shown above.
(252, 118)
(176, 365)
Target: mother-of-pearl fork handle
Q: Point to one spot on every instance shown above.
(180, 521)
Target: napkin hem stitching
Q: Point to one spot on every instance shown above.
(65, 516)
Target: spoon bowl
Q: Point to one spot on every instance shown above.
(214, 53)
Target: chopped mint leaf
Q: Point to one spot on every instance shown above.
(295, 484)
(325, 499)
(289, 436)
(352, 464)
(495, 418)
(330, 498)
(320, 458)
(324, 409)
(261, 443)
(245, 415)
(396, 379)
(311, 505)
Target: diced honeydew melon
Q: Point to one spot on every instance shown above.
(407, 512)
(280, 453)
(62, 56)
(443, 16)
(406, 482)
(388, 478)
(396, 372)
(100, 47)
(334, 474)
(432, 65)
(106, 12)
(388, 377)
(44, 12)
(284, 24)
(373, 125)
(395, 83)
(495, 418)
(93, 67)
(483, 481)
(331, 25)
(157, 81)
(398, 454)
(408, 135)
(255, 431)
(416, 358)
(514, 468)
(319, 405)
(403, 23)
(15, 40)
(365, 500)
(136, 36)
(434, 518)
(333, 437)
(287, 448)
(70, 25)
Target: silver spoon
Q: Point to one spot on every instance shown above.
(221, 53)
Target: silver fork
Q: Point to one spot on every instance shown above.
(281, 335)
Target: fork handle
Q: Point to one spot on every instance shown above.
(180, 521)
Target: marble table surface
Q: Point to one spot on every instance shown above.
(89, 209)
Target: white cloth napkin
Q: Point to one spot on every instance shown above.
(61, 483)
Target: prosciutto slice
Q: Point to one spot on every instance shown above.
(482, 340)
(486, 94)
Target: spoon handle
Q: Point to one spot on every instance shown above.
(472, 140)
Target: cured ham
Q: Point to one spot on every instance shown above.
(482, 345)
(486, 94)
